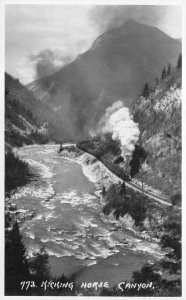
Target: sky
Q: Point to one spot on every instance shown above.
(35, 34)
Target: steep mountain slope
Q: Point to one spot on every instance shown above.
(159, 118)
(116, 66)
(19, 124)
(24, 115)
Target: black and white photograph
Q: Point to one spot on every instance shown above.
(92, 149)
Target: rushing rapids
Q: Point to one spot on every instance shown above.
(67, 204)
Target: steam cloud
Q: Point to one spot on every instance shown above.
(111, 16)
(119, 122)
(48, 62)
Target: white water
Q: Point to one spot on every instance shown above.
(68, 218)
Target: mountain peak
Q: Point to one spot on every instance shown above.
(131, 22)
(130, 28)
(134, 26)
(117, 66)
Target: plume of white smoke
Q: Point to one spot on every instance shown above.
(119, 122)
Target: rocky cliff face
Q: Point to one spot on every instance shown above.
(159, 118)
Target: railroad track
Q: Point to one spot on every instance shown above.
(134, 186)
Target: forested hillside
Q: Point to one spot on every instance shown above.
(159, 118)
(27, 119)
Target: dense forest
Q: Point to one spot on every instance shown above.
(16, 173)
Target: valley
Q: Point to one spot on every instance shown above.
(83, 244)
(93, 155)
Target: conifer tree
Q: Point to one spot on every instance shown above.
(157, 81)
(16, 265)
(39, 265)
(169, 70)
(146, 90)
(163, 74)
(179, 62)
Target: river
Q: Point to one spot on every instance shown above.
(68, 220)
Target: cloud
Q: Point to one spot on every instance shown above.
(49, 61)
(71, 28)
(106, 17)
(31, 29)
